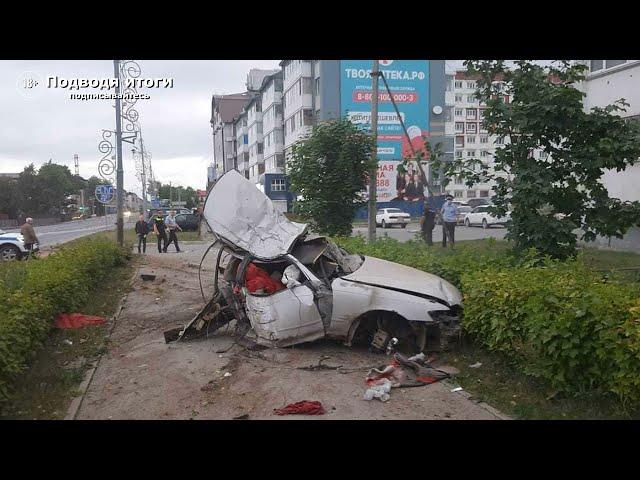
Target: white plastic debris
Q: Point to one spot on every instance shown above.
(67, 341)
(418, 358)
(380, 391)
(457, 389)
(227, 374)
(475, 365)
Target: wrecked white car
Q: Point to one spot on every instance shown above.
(285, 287)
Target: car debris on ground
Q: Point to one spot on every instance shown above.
(283, 286)
(401, 372)
(305, 407)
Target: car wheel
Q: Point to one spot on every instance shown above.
(404, 225)
(412, 336)
(485, 225)
(384, 225)
(9, 253)
(467, 223)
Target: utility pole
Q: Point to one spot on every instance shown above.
(373, 175)
(170, 197)
(119, 170)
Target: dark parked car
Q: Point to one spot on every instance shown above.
(187, 221)
(476, 202)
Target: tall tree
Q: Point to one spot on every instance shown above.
(329, 170)
(553, 195)
(54, 182)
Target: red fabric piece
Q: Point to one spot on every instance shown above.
(77, 320)
(257, 279)
(427, 380)
(305, 407)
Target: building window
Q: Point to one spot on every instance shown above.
(459, 112)
(458, 153)
(278, 185)
(484, 139)
(484, 193)
(293, 123)
(471, 98)
(458, 84)
(457, 193)
(458, 98)
(300, 87)
(279, 160)
(471, 139)
(614, 63)
(260, 148)
(459, 127)
(472, 114)
(307, 117)
(471, 194)
(258, 106)
(458, 180)
(484, 153)
(499, 141)
(472, 128)
(471, 84)
(471, 153)
(260, 168)
(542, 155)
(459, 141)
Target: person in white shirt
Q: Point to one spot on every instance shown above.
(172, 226)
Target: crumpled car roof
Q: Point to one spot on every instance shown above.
(242, 215)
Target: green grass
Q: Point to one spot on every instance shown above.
(497, 383)
(45, 391)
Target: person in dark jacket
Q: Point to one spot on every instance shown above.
(142, 229)
(427, 224)
(160, 230)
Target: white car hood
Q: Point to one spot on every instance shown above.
(241, 214)
(393, 275)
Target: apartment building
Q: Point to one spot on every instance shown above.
(255, 138)
(272, 123)
(606, 82)
(298, 80)
(242, 143)
(224, 110)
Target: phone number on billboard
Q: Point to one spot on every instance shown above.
(364, 96)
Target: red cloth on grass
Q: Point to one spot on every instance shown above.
(257, 279)
(305, 407)
(77, 320)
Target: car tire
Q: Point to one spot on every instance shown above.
(384, 224)
(9, 253)
(485, 225)
(404, 225)
(467, 223)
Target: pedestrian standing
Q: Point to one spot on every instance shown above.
(450, 215)
(142, 229)
(160, 230)
(173, 227)
(29, 235)
(427, 224)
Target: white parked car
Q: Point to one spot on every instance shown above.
(481, 216)
(283, 286)
(392, 216)
(12, 246)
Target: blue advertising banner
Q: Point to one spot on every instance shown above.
(409, 85)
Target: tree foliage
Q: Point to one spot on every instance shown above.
(178, 193)
(329, 170)
(551, 197)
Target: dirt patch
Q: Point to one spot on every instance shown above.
(141, 377)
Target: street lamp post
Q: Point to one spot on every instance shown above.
(119, 169)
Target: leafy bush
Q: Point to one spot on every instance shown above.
(561, 322)
(448, 265)
(35, 292)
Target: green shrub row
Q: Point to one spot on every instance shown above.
(449, 265)
(33, 293)
(561, 322)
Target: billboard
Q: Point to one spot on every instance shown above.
(409, 85)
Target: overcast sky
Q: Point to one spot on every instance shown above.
(45, 124)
